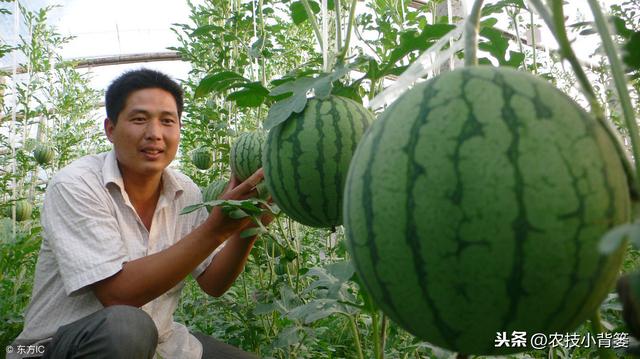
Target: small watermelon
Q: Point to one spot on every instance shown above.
(214, 190)
(285, 267)
(474, 206)
(306, 159)
(23, 210)
(43, 154)
(202, 158)
(273, 248)
(246, 154)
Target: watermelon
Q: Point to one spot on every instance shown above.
(285, 267)
(214, 190)
(306, 159)
(43, 154)
(202, 158)
(246, 154)
(271, 246)
(475, 204)
(23, 210)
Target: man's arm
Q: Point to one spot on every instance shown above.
(144, 279)
(226, 266)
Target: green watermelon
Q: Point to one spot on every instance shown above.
(285, 267)
(23, 210)
(306, 159)
(271, 246)
(475, 204)
(43, 154)
(214, 190)
(202, 158)
(246, 154)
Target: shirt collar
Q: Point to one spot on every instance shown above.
(111, 174)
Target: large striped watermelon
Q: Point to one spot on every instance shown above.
(246, 154)
(306, 159)
(474, 206)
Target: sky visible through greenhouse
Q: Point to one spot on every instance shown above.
(117, 27)
(123, 27)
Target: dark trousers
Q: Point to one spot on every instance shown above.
(122, 332)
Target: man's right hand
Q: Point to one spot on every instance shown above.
(224, 226)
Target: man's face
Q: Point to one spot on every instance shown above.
(147, 132)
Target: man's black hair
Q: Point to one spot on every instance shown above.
(131, 81)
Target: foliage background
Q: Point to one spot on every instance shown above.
(298, 295)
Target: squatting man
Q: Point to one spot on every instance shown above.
(115, 251)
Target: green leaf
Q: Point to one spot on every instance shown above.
(281, 110)
(237, 213)
(497, 46)
(219, 81)
(299, 14)
(202, 30)
(500, 5)
(300, 88)
(631, 56)
(411, 40)
(192, 208)
(316, 309)
(621, 27)
(614, 238)
(253, 94)
(252, 232)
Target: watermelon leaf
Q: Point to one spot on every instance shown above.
(203, 30)
(252, 232)
(299, 14)
(613, 239)
(321, 86)
(252, 94)
(316, 309)
(219, 81)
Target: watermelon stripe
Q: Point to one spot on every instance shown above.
(337, 175)
(520, 224)
(306, 213)
(279, 142)
(610, 213)
(370, 244)
(320, 160)
(413, 235)
(573, 277)
(470, 129)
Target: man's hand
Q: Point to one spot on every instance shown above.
(223, 225)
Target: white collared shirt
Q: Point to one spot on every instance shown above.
(90, 229)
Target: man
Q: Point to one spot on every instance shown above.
(115, 250)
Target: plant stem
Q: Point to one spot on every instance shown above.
(337, 6)
(383, 334)
(533, 42)
(514, 18)
(472, 27)
(569, 55)
(375, 334)
(619, 80)
(596, 109)
(596, 328)
(356, 335)
(314, 22)
(352, 20)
